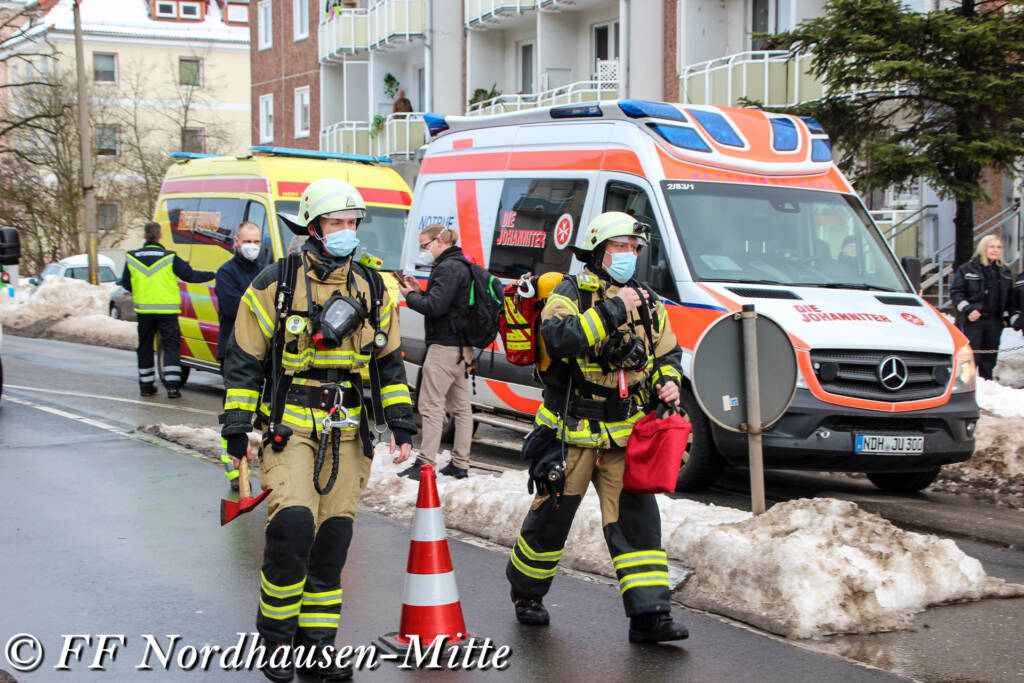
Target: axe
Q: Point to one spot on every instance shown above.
(229, 509)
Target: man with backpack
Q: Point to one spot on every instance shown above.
(613, 358)
(445, 380)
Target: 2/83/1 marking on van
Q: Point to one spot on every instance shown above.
(898, 445)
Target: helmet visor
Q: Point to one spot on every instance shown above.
(345, 213)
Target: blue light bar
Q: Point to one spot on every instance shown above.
(315, 154)
(191, 155)
(717, 127)
(821, 150)
(681, 136)
(813, 125)
(784, 136)
(435, 124)
(637, 109)
(576, 111)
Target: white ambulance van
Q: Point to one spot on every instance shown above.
(746, 207)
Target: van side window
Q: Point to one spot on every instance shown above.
(652, 266)
(257, 213)
(207, 220)
(536, 223)
(180, 213)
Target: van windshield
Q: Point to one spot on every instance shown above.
(380, 234)
(779, 235)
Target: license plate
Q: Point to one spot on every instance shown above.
(881, 443)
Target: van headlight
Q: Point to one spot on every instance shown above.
(964, 371)
(801, 383)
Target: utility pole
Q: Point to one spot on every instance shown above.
(88, 192)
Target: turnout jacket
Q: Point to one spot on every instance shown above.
(151, 274)
(968, 289)
(445, 300)
(578, 337)
(244, 364)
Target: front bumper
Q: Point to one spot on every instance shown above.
(814, 435)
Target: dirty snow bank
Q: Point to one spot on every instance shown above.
(68, 309)
(204, 440)
(1009, 368)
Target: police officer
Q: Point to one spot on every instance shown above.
(338, 319)
(613, 355)
(151, 274)
(981, 292)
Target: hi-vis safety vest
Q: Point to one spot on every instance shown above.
(154, 287)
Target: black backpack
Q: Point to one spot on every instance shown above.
(478, 324)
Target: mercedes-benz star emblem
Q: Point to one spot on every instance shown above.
(892, 373)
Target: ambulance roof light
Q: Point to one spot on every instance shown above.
(190, 155)
(636, 109)
(681, 136)
(813, 125)
(821, 150)
(576, 111)
(784, 137)
(315, 154)
(435, 124)
(717, 127)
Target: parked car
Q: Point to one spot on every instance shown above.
(122, 305)
(10, 253)
(77, 267)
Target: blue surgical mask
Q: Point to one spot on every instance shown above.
(622, 267)
(342, 242)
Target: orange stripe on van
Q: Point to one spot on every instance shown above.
(959, 339)
(196, 185)
(677, 169)
(512, 399)
(622, 160)
(469, 219)
(371, 195)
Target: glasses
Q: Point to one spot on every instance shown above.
(424, 245)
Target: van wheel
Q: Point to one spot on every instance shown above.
(903, 482)
(701, 462)
(115, 312)
(185, 370)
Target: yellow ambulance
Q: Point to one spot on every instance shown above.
(205, 198)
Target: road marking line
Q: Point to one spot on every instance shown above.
(112, 398)
(70, 416)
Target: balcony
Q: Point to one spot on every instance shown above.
(400, 135)
(573, 93)
(384, 25)
(485, 14)
(773, 77)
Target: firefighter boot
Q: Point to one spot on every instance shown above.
(530, 611)
(279, 667)
(655, 628)
(317, 664)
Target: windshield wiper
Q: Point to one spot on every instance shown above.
(845, 285)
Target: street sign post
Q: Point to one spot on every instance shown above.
(744, 377)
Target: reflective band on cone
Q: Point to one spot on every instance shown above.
(430, 606)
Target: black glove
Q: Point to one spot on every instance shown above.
(238, 444)
(549, 475)
(544, 451)
(1017, 321)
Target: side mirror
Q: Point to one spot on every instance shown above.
(912, 267)
(10, 247)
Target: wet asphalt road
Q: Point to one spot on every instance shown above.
(107, 534)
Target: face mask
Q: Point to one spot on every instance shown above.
(426, 258)
(622, 267)
(249, 251)
(342, 242)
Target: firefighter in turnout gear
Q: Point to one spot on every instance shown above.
(316, 318)
(613, 357)
(151, 274)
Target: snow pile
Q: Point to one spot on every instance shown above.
(1009, 368)
(995, 473)
(999, 400)
(204, 440)
(72, 310)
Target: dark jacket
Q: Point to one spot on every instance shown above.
(232, 279)
(151, 252)
(968, 289)
(1016, 307)
(445, 300)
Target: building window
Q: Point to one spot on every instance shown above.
(107, 216)
(189, 10)
(265, 27)
(267, 118)
(606, 44)
(167, 10)
(190, 71)
(237, 14)
(104, 67)
(193, 140)
(302, 112)
(769, 16)
(526, 68)
(300, 15)
(108, 140)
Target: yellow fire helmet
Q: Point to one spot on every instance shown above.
(330, 197)
(613, 224)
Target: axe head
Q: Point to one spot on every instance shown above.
(229, 509)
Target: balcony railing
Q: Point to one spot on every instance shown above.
(773, 77)
(573, 93)
(382, 25)
(399, 136)
(483, 14)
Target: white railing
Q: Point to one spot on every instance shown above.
(773, 77)
(400, 135)
(573, 93)
(484, 13)
(383, 23)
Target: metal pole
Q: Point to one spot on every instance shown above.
(88, 192)
(753, 402)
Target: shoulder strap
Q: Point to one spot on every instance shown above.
(376, 285)
(287, 274)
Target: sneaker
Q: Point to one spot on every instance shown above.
(656, 628)
(172, 392)
(530, 611)
(412, 471)
(147, 390)
(278, 672)
(452, 471)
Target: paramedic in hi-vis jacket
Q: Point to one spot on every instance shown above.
(316, 449)
(613, 357)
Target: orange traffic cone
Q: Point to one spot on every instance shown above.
(430, 606)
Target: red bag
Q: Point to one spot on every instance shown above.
(654, 453)
(517, 325)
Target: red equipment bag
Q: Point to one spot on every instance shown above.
(654, 453)
(517, 324)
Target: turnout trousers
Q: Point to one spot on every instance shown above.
(170, 340)
(632, 530)
(307, 540)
